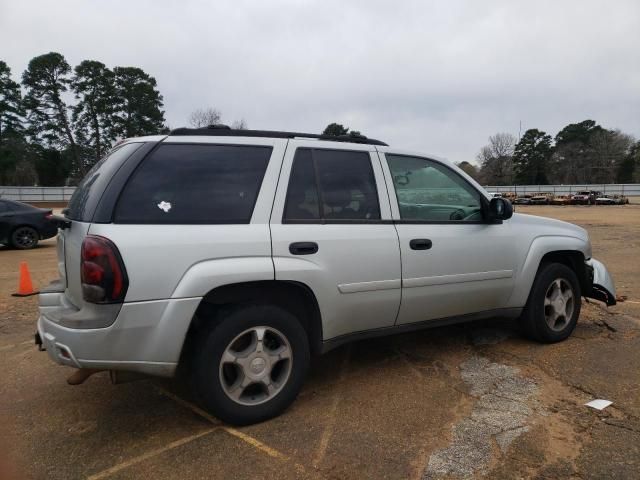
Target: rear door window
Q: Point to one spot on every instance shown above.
(195, 184)
(331, 186)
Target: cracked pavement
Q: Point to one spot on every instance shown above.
(466, 401)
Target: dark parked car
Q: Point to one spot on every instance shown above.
(22, 225)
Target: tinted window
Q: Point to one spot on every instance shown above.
(92, 186)
(182, 184)
(331, 185)
(4, 207)
(302, 196)
(430, 191)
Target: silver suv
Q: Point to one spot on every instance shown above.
(237, 254)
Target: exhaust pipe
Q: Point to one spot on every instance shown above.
(80, 375)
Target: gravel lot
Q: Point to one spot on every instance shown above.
(467, 401)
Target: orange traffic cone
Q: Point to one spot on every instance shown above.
(25, 287)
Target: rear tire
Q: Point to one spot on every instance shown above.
(24, 238)
(553, 307)
(251, 364)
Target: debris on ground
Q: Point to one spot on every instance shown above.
(598, 404)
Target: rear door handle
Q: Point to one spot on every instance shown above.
(303, 248)
(420, 244)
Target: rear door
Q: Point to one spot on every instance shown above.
(331, 230)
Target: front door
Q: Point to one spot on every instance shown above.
(331, 230)
(453, 261)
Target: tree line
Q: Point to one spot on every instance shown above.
(580, 153)
(60, 120)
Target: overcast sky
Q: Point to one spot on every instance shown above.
(437, 77)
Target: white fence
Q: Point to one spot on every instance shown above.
(628, 189)
(37, 194)
(63, 194)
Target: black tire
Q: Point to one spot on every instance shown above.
(536, 315)
(24, 238)
(208, 377)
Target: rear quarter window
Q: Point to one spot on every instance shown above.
(195, 184)
(87, 195)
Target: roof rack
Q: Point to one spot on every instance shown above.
(226, 131)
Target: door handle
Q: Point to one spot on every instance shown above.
(303, 248)
(420, 244)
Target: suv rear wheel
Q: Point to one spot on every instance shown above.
(553, 307)
(251, 365)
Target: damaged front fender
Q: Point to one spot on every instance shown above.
(602, 284)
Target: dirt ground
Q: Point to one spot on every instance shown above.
(468, 401)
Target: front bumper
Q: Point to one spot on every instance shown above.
(602, 287)
(146, 337)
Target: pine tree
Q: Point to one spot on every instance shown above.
(335, 129)
(15, 158)
(138, 104)
(11, 109)
(93, 85)
(531, 157)
(47, 80)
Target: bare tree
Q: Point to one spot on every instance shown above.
(240, 124)
(610, 149)
(496, 160)
(203, 117)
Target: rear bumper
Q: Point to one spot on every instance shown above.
(602, 287)
(146, 337)
(49, 230)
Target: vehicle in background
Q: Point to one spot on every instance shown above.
(22, 226)
(621, 199)
(606, 200)
(586, 197)
(561, 200)
(511, 196)
(540, 199)
(495, 194)
(523, 200)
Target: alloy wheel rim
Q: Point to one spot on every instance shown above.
(256, 365)
(25, 237)
(559, 304)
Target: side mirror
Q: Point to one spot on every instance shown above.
(500, 209)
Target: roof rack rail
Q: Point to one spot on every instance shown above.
(225, 131)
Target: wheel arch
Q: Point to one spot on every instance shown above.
(575, 260)
(570, 251)
(294, 297)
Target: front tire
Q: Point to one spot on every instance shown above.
(24, 238)
(553, 307)
(251, 365)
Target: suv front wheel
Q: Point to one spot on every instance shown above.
(553, 307)
(251, 365)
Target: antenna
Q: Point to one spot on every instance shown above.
(519, 130)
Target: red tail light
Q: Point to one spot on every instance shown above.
(104, 278)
